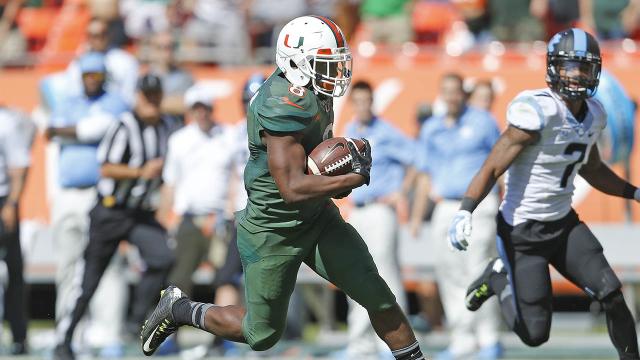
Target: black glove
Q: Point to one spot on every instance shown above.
(342, 195)
(361, 163)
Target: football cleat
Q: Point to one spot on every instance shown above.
(480, 290)
(160, 323)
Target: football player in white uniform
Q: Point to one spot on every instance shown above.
(551, 136)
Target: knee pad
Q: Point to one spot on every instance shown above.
(264, 340)
(261, 335)
(536, 332)
(613, 301)
(536, 339)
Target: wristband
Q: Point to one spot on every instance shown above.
(469, 204)
(636, 195)
(630, 192)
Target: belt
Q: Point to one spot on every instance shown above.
(135, 213)
(110, 202)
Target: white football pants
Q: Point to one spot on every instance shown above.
(455, 270)
(378, 226)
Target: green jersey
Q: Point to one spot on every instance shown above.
(279, 106)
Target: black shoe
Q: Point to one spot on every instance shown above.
(19, 348)
(160, 323)
(480, 290)
(63, 352)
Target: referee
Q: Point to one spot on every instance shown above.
(16, 134)
(131, 155)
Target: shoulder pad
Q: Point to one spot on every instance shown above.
(531, 110)
(286, 107)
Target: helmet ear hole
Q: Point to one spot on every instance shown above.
(292, 64)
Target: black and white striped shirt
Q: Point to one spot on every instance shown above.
(132, 142)
(16, 134)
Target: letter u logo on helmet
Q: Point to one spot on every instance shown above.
(312, 50)
(573, 64)
(300, 42)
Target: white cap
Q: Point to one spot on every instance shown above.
(198, 95)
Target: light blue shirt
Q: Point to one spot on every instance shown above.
(391, 151)
(621, 114)
(78, 164)
(452, 154)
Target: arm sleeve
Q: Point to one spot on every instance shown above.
(114, 145)
(526, 113)
(94, 128)
(286, 113)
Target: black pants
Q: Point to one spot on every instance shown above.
(108, 227)
(527, 250)
(15, 296)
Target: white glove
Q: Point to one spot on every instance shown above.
(460, 231)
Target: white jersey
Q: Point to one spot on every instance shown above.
(539, 183)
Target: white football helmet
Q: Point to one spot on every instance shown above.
(313, 48)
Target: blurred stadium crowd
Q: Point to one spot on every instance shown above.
(112, 46)
(230, 32)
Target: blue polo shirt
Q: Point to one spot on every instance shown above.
(452, 154)
(78, 163)
(391, 151)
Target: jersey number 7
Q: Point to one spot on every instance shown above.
(572, 148)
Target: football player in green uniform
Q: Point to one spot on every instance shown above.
(290, 217)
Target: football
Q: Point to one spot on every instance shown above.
(331, 157)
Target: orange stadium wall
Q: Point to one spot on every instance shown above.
(403, 84)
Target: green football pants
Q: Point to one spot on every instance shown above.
(271, 259)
